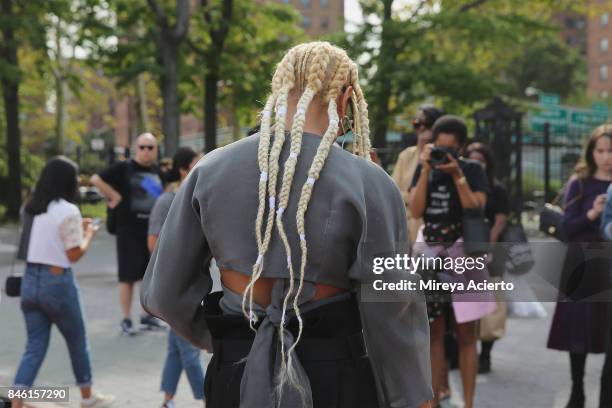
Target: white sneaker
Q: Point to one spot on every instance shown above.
(99, 401)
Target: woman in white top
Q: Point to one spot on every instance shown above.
(49, 293)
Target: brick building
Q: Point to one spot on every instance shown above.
(599, 55)
(319, 17)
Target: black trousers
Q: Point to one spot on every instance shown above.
(606, 375)
(331, 350)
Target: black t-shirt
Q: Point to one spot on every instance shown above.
(443, 205)
(497, 202)
(139, 187)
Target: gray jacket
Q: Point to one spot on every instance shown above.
(356, 212)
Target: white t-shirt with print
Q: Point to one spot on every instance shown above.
(54, 232)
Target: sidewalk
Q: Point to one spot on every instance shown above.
(525, 373)
(128, 367)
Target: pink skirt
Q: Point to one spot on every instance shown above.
(467, 306)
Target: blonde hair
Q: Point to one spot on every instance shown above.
(321, 71)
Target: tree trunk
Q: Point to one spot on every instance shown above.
(10, 94)
(210, 110)
(60, 92)
(383, 81)
(141, 105)
(60, 113)
(234, 120)
(169, 89)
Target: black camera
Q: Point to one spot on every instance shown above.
(439, 155)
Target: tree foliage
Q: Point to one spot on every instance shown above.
(455, 51)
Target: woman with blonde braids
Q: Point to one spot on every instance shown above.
(294, 223)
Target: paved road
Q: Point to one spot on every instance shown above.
(525, 373)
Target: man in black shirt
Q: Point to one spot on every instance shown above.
(131, 188)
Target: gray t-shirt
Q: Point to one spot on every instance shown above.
(160, 212)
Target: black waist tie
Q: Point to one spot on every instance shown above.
(331, 352)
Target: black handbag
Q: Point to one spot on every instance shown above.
(476, 232)
(517, 252)
(551, 216)
(12, 285)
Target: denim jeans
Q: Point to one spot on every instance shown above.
(182, 355)
(48, 299)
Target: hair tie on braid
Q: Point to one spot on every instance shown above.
(272, 201)
(259, 259)
(263, 176)
(281, 111)
(267, 114)
(293, 155)
(302, 237)
(310, 180)
(333, 122)
(252, 317)
(280, 211)
(288, 260)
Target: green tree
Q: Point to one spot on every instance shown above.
(20, 25)
(549, 65)
(454, 50)
(238, 42)
(171, 32)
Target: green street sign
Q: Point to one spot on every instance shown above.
(588, 118)
(549, 99)
(556, 118)
(600, 107)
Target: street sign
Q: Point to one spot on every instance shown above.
(557, 118)
(549, 99)
(600, 107)
(588, 118)
(561, 118)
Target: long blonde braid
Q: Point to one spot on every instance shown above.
(338, 80)
(319, 71)
(282, 83)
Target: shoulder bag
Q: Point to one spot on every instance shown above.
(551, 216)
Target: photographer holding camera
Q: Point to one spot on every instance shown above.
(445, 185)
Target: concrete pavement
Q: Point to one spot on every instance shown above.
(525, 373)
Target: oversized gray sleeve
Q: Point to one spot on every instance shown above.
(395, 323)
(177, 278)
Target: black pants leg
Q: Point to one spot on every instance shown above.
(605, 397)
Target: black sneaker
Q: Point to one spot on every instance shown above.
(151, 323)
(127, 328)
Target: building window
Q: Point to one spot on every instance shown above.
(324, 23)
(603, 45)
(306, 22)
(576, 23)
(603, 72)
(603, 20)
(324, 3)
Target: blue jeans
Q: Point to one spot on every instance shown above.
(182, 355)
(52, 299)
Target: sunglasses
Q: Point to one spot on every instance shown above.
(147, 147)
